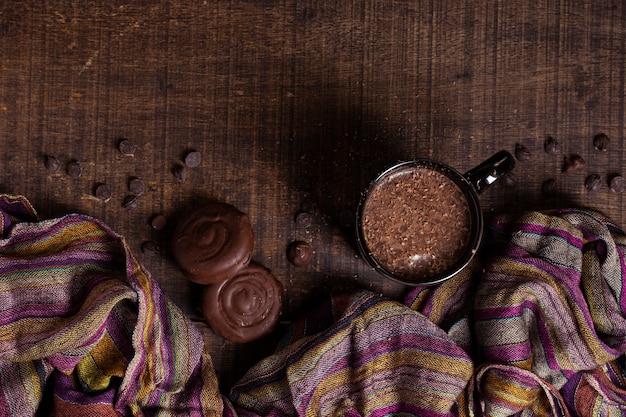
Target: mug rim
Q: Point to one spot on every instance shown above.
(476, 218)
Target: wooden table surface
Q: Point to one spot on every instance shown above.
(295, 105)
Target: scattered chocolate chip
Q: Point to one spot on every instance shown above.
(507, 180)
(550, 145)
(601, 142)
(548, 187)
(573, 163)
(617, 184)
(75, 169)
(130, 202)
(193, 159)
(150, 247)
(126, 147)
(593, 182)
(52, 163)
(304, 219)
(299, 253)
(103, 192)
(180, 173)
(159, 222)
(136, 186)
(522, 153)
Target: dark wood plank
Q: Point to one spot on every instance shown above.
(296, 105)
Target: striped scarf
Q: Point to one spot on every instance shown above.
(535, 326)
(86, 331)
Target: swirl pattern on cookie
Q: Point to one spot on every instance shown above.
(213, 243)
(245, 307)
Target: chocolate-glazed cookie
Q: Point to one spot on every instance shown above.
(213, 243)
(245, 307)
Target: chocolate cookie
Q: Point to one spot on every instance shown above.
(213, 243)
(245, 307)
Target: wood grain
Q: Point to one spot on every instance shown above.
(296, 105)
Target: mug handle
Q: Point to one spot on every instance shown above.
(485, 174)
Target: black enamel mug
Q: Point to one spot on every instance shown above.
(420, 222)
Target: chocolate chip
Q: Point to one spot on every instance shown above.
(617, 184)
(304, 219)
(593, 182)
(126, 147)
(522, 153)
(180, 173)
(299, 253)
(601, 142)
(150, 247)
(158, 222)
(550, 145)
(130, 202)
(573, 163)
(548, 187)
(103, 192)
(75, 169)
(52, 163)
(136, 186)
(193, 159)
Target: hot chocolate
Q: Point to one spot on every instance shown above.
(416, 223)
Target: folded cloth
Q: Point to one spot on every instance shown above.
(535, 326)
(544, 321)
(86, 331)
(378, 358)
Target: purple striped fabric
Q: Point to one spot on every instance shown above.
(545, 316)
(86, 330)
(536, 325)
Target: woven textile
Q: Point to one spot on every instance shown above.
(379, 358)
(544, 320)
(85, 330)
(535, 326)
